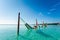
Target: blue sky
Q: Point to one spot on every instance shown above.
(42, 10)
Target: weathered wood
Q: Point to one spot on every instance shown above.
(18, 24)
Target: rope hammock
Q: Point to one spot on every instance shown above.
(26, 24)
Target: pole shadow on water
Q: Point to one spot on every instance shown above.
(28, 32)
(25, 36)
(44, 34)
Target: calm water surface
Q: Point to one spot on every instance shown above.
(8, 32)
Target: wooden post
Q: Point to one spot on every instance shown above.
(18, 24)
(36, 23)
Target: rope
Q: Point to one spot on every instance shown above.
(22, 20)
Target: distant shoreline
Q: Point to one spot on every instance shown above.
(38, 24)
(51, 24)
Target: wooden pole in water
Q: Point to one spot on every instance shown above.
(18, 24)
(36, 23)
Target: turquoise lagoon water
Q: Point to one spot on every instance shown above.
(8, 32)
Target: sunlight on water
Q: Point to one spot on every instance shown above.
(8, 32)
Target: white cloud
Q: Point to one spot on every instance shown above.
(53, 9)
(56, 4)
